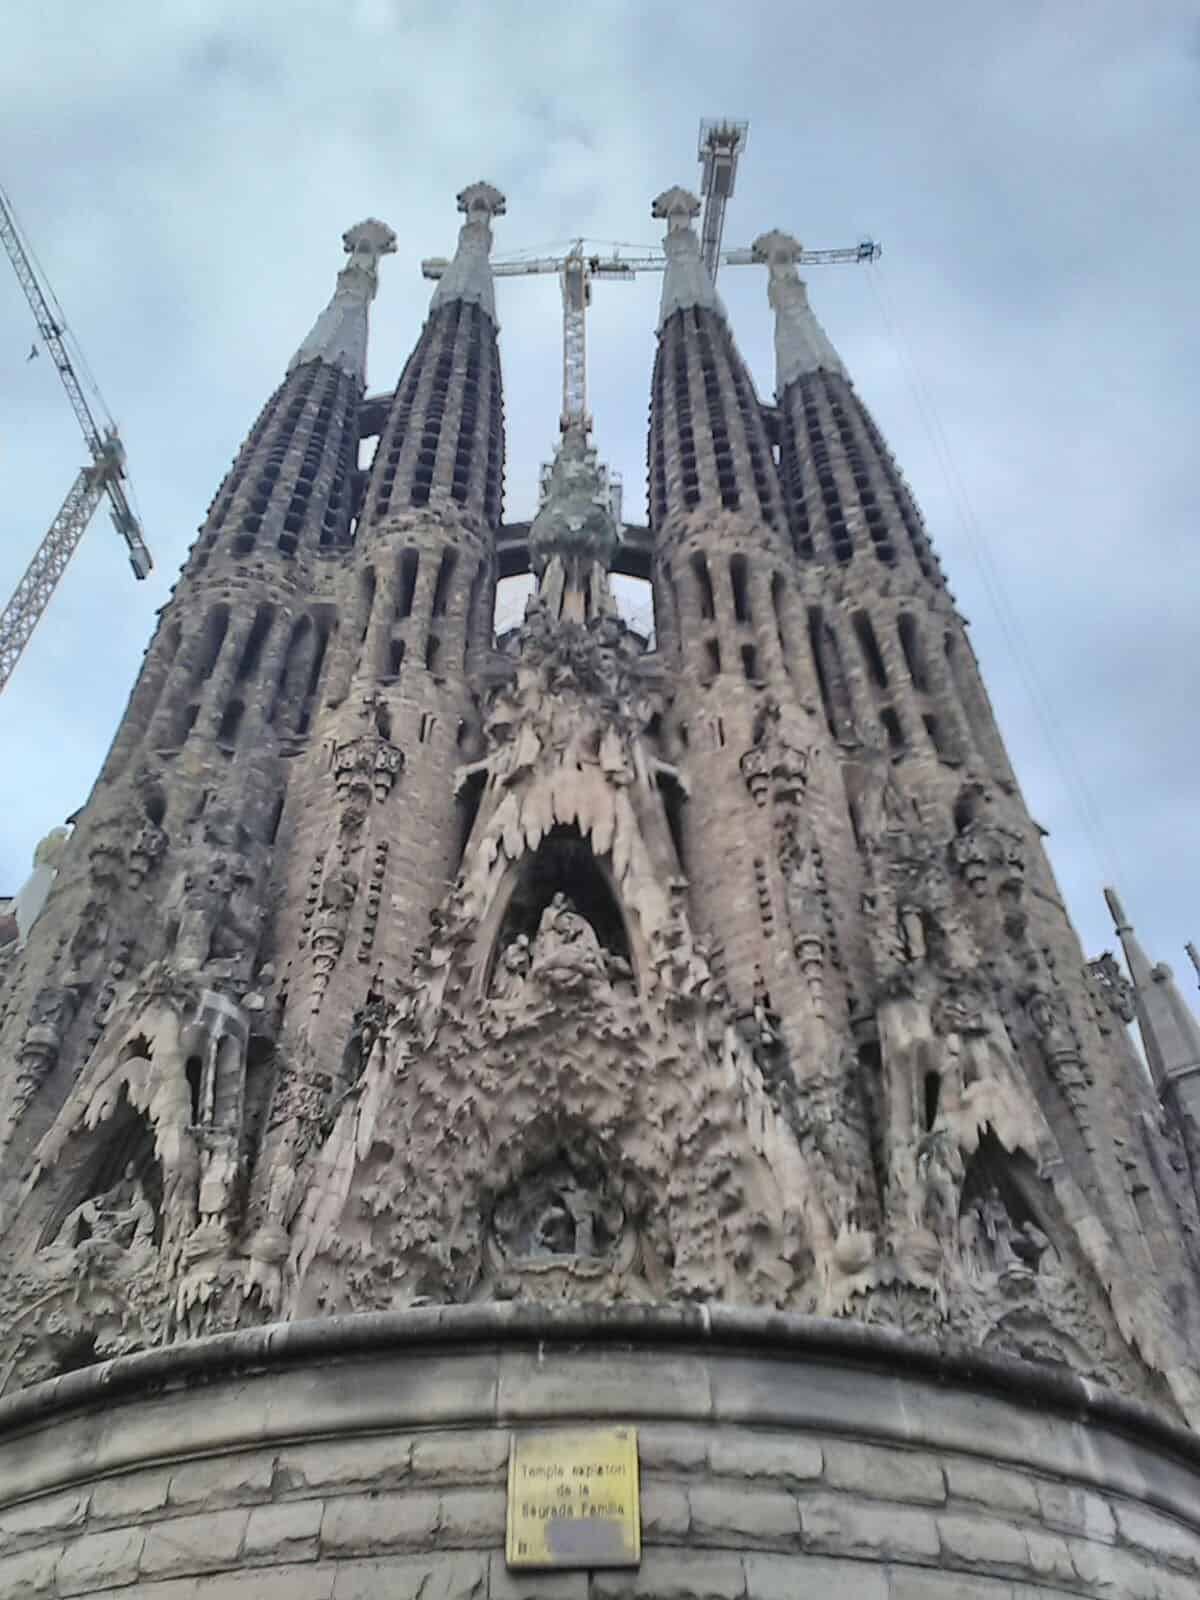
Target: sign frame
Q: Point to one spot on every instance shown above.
(574, 1499)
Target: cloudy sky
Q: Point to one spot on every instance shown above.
(1029, 341)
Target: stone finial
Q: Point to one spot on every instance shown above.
(339, 335)
(365, 242)
(481, 201)
(801, 343)
(686, 281)
(678, 207)
(469, 275)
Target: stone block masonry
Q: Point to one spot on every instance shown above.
(958, 1487)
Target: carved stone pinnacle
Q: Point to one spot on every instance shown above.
(483, 198)
(678, 206)
(369, 238)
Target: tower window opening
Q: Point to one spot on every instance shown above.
(230, 722)
(831, 677)
(432, 646)
(713, 651)
(708, 609)
(673, 800)
(367, 601)
(276, 818)
(194, 1069)
(934, 729)
(933, 1096)
(469, 798)
(425, 727)
(869, 644)
(255, 639)
(750, 663)
(395, 657)
(914, 658)
(891, 726)
(409, 562)
(215, 627)
(320, 647)
(739, 581)
(719, 733)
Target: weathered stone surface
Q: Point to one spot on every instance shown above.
(770, 1577)
(96, 1560)
(201, 1543)
(982, 1542)
(866, 1528)
(461, 1456)
(280, 1533)
(884, 1473)
(675, 1575)
(360, 1524)
(471, 1517)
(730, 1516)
(738, 1453)
(225, 1480)
(31, 1572)
(40, 1518)
(991, 1486)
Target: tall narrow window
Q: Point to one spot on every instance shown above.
(740, 584)
(708, 608)
(914, 657)
(441, 591)
(872, 654)
(408, 582)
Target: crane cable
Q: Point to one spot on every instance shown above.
(1057, 743)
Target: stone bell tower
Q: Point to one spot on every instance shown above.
(426, 1035)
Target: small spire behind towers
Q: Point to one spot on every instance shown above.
(801, 343)
(574, 536)
(339, 335)
(1169, 1029)
(468, 277)
(686, 281)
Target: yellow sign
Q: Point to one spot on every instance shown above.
(573, 1499)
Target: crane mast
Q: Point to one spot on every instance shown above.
(721, 143)
(104, 477)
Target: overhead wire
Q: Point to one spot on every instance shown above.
(1056, 740)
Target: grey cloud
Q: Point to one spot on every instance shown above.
(186, 171)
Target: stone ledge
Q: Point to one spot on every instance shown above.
(749, 1331)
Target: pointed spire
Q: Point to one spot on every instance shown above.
(686, 281)
(469, 275)
(1169, 1029)
(339, 335)
(801, 343)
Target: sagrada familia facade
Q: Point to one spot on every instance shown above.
(393, 965)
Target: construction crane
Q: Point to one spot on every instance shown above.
(721, 143)
(580, 266)
(103, 476)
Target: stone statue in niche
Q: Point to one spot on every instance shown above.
(773, 761)
(218, 914)
(512, 969)
(51, 1014)
(558, 1214)
(992, 1243)
(120, 1219)
(940, 1172)
(566, 952)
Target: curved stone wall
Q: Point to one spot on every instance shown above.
(781, 1457)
